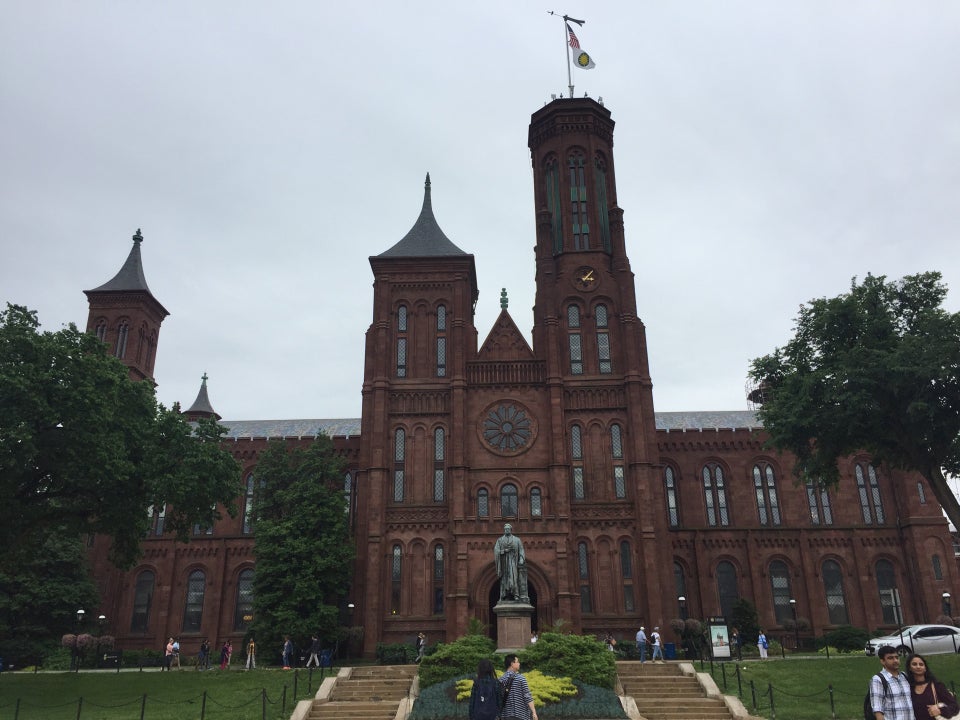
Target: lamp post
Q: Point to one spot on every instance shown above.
(683, 607)
(76, 649)
(796, 625)
(946, 605)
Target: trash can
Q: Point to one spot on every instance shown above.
(670, 651)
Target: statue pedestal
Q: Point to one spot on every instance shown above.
(513, 625)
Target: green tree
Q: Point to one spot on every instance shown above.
(875, 369)
(746, 620)
(302, 544)
(42, 585)
(85, 450)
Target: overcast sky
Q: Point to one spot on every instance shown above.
(766, 153)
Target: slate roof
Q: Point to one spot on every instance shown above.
(348, 427)
(131, 275)
(202, 403)
(425, 238)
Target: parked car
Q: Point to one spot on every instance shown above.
(922, 639)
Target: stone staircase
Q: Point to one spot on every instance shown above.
(664, 692)
(365, 693)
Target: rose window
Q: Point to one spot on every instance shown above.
(507, 428)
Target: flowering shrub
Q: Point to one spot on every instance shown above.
(85, 640)
(69, 640)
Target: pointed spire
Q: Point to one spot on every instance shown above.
(425, 238)
(201, 406)
(131, 275)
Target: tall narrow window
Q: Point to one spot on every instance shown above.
(395, 578)
(715, 496)
(584, 570)
(921, 493)
(193, 607)
(576, 452)
(780, 587)
(441, 341)
(399, 463)
(871, 504)
(243, 613)
(601, 195)
(937, 568)
(833, 590)
(673, 507)
(727, 589)
(348, 492)
(619, 480)
(439, 452)
(626, 573)
(402, 341)
(679, 580)
(248, 506)
(483, 503)
(142, 600)
(101, 330)
(123, 330)
(578, 202)
(508, 501)
(536, 503)
(819, 503)
(764, 484)
(574, 340)
(157, 517)
(889, 593)
(552, 184)
(603, 340)
(438, 580)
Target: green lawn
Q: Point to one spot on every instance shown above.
(801, 685)
(230, 695)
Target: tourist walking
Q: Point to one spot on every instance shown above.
(251, 654)
(517, 698)
(642, 644)
(657, 645)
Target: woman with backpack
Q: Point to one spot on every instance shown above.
(485, 696)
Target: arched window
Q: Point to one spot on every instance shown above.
(833, 589)
(616, 444)
(764, 484)
(248, 505)
(574, 341)
(576, 453)
(583, 568)
(348, 491)
(402, 341)
(603, 340)
(727, 590)
(142, 599)
(243, 614)
(626, 573)
(396, 573)
(780, 587)
(439, 453)
(679, 580)
(438, 580)
(193, 606)
(715, 495)
(600, 166)
(399, 464)
(123, 330)
(157, 517)
(578, 201)
(889, 593)
(441, 341)
(552, 185)
(871, 504)
(673, 507)
(536, 503)
(101, 330)
(937, 567)
(819, 503)
(483, 503)
(508, 501)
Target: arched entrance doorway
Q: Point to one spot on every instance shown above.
(494, 598)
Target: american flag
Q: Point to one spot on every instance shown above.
(574, 43)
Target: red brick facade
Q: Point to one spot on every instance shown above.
(621, 510)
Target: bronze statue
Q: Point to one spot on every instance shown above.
(511, 566)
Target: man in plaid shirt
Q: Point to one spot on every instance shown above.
(893, 701)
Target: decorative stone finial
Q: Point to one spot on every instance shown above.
(138, 238)
(503, 299)
(427, 183)
(204, 378)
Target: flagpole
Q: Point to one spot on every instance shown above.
(566, 45)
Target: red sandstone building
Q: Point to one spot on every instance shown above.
(628, 516)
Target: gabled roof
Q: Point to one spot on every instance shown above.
(131, 275)
(425, 238)
(505, 341)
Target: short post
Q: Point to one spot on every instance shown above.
(739, 683)
(203, 706)
(753, 694)
(833, 709)
(283, 701)
(79, 706)
(143, 704)
(263, 704)
(827, 646)
(16, 710)
(723, 673)
(773, 710)
(296, 682)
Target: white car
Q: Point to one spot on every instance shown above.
(920, 639)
